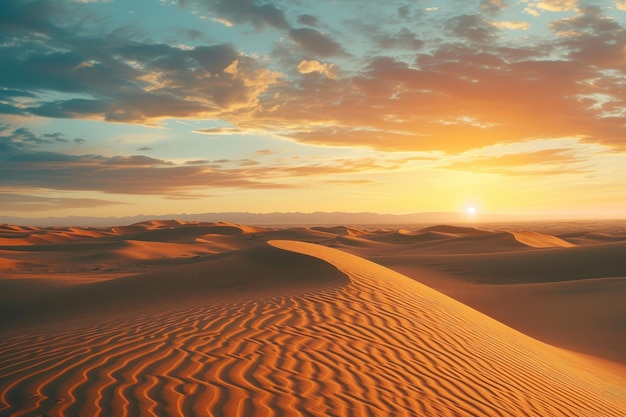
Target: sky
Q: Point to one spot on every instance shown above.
(119, 107)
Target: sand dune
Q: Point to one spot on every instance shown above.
(437, 243)
(341, 230)
(159, 224)
(352, 242)
(456, 230)
(132, 249)
(583, 315)
(219, 228)
(586, 238)
(171, 235)
(259, 270)
(395, 237)
(541, 240)
(453, 239)
(19, 236)
(375, 344)
(532, 266)
(7, 263)
(7, 230)
(559, 295)
(232, 320)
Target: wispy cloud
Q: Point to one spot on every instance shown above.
(118, 175)
(17, 139)
(24, 166)
(544, 162)
(32, 203)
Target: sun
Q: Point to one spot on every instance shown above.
(470, 210)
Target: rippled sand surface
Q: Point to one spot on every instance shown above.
(275, 327)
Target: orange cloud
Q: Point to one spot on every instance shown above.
(329, 70)
(459, 97)
(557, 5)
(454, 99)
(142, 175)
(219, 131)
(549, 161)
(511, 25)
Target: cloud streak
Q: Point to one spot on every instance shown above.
(544, 162)
(23, 166)
(29, 203)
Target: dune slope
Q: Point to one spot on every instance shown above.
(253, 272)
(531, 266)
(378, 345)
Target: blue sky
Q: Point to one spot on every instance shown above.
(152, 107)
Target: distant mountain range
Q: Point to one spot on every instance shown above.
(293, 218)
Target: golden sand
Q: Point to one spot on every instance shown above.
(223, 320)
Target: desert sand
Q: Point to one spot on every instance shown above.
(167, 318)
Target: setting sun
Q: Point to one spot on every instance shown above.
(470, 210)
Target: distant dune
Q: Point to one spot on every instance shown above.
(188, 318)
(327, 219)
(284, 218)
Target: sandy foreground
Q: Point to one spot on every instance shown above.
(165, 318)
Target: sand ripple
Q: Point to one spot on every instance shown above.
(381, 345)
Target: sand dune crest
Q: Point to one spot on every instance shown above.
(340, 230)
(456, 230)
(541, 240)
